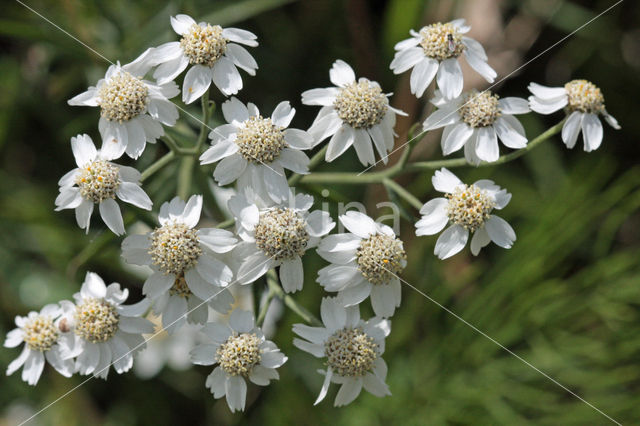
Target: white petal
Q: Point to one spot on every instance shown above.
(229, 169)
(226, 77)
(133, 194)
(18, 362)
(571, 129)
(218, 151)
(135, 325)
(157, 284)
(422, 75)
(83, 149)
(449, 78)
(451, 241)
(240, 36)
(164, 111)
(385, 298)
(456, 138)
(236, 391)
(480, 65)
(354, 295)
(319, 223)
(253, 268)
(591, 132)
(196, 82)
(611, 120)
(513, 105)
(324, 97)
(477, 48)
(440, 118)
(341, 74)
(508, 135)
(547, 106)
(283, 114)
(152, 129)
(364, 147)
(174, 314)
(340, 142)
(407, 43)
(204, 354)
(33, 367)
(261, 375)
(312, 348)
(358, 223)
(241, 321)
(110, 213)
(317, 335)
(434, 217)
(294, 160)
(114, 139)
(217, 240)
(339, 277)
(93, 286)
(167, 52)
(445, 181)
(487, 144)
(292, 275)
(479, 240)
(405, 59)
(375, 385)
(349, 390)
(213, 270)
(87, 98)
(13, 338)
(333, 314)
(182, 23)
(241, 58)
(545, 92)
(191, 213)
(500, 231)
(326, 124)
(325, 386)
(218, 333)
(136, 137)
(274, 181)
(69, 198)
(216, 382)
(273, 359)
(169, 70)
(298, 139)
(234, 111)
(83, 214)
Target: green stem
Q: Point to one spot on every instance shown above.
(185, 174)
(159, 164)
(395, 187)
(227, 223)
(400, 168)
(263, 310)
(272, 281)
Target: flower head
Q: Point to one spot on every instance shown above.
(353, 113)
(364, 262)
(434, 51)
(242, 354)
(583, 102)
(189, 273)
(103, 331)
(476, 121)
(352, 347)
(41, 335)
(132, 110)
(467, 208)
(99, 181)
(255, 150)
(277, 235)
(213, 52)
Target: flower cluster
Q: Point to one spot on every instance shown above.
(192, 267)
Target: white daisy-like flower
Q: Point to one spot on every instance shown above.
(364, 262)
(40, 333)
(186, 263)
(583, 102)
(214, 53)
(467, 208)
(353, 113)
(132, 110)
(476, 121)
(277, 235)
(255, 150)
(242, 353)
(99, 181)
(353, 350)
(434, 51)
(105, 332)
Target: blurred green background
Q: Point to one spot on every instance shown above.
(566, 298)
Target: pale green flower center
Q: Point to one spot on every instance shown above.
(96, 320)
(380, 257)
(123, 97)
(281, 234)
(98, 181)
(175, 248)
(239, 354)
(480, 109)
(204, 45)
(441, 41)
(584, 96)
(260, 141)
(39, 333)
(469, 207)
(361, 105)
(351, 352)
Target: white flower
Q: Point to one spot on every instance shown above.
(242, 353)
(476, 121)
(255, 150)
(132, 110)
(214, 53)
(583, 102)
(41, 335)
(277, 236)
(98, 181)
(353, 113)
(105, 332)
(365, 262)
(434, 51)
(186, 264)
(467, 208)
(353, 350)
